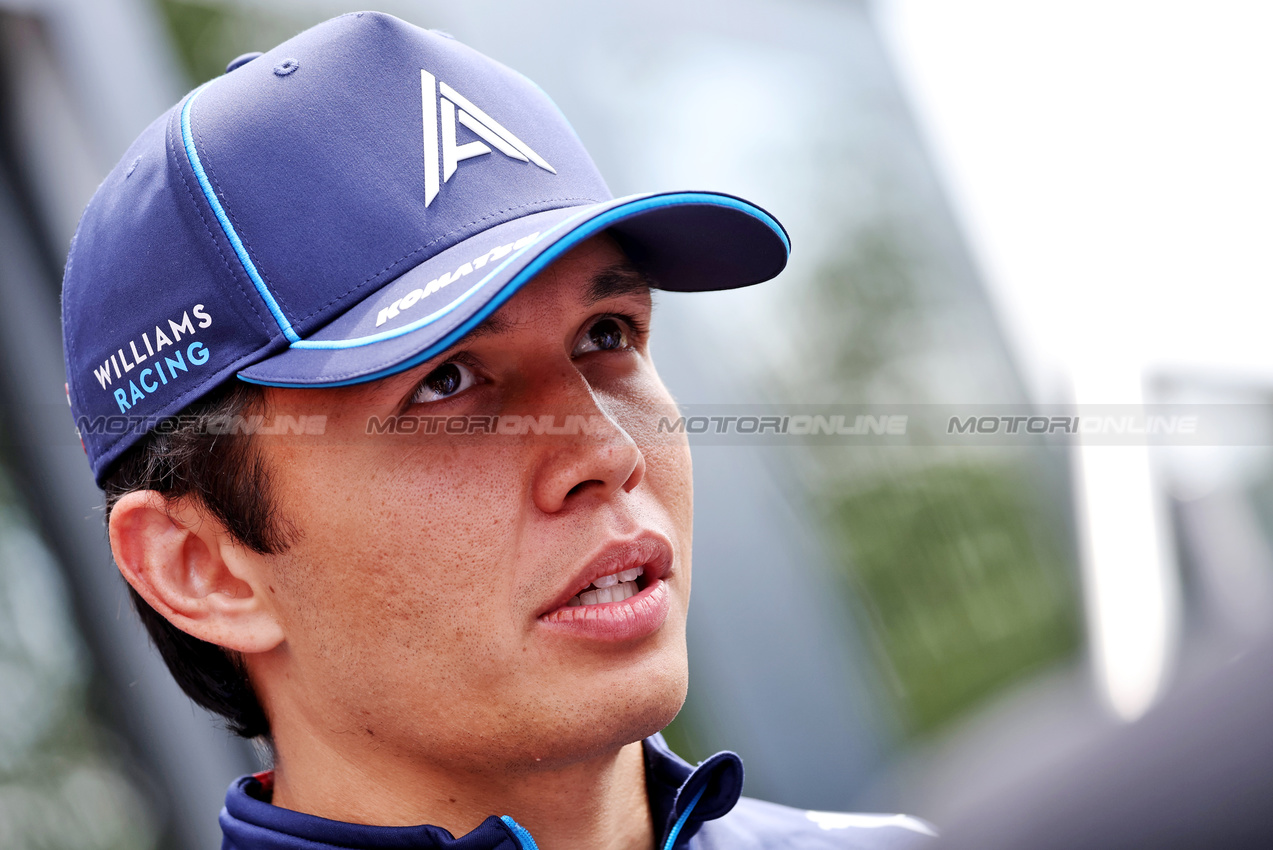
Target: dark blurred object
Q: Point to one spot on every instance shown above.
(124, 760)
(1195, 772)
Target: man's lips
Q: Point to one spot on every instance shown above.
(648, 550)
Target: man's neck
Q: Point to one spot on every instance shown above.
(599, 803)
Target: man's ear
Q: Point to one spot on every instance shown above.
(185, 564)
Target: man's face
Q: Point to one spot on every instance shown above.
(427, 601)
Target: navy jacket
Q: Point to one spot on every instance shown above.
(694, 808)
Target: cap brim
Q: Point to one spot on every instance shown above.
(685, 241)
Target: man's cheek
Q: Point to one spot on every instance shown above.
(670, 473)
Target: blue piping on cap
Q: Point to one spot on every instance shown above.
(570, 240)
(358, 342)
(187, 139)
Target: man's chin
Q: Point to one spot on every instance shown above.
(604, 727)
(581, 750)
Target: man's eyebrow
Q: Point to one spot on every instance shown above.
(492, 325)
(619, 279)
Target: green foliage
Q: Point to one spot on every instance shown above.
(207, 35)
(864, 320)
(960, 557)
(964, 579)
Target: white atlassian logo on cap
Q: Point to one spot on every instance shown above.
(449, 106)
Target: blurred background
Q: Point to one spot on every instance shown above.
(1027, 205)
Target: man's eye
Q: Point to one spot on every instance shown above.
(443, 382)
(603, 335)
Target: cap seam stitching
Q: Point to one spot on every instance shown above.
(217, 247)
(429, 244)
(109, 446)
(238, 229)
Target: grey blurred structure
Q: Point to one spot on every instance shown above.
(1196, 772)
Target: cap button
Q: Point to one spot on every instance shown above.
(241, 60)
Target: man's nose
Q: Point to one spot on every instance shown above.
(595, 457)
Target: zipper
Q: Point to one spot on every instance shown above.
(524, 838)
(680, 822)
(521, 833)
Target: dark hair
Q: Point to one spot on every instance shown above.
(196, 456)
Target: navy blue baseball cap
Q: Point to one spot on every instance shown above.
(339, 209)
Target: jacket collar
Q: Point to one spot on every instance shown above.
(681, 798)
(696, 794)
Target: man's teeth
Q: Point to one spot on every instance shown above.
(612, 588)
